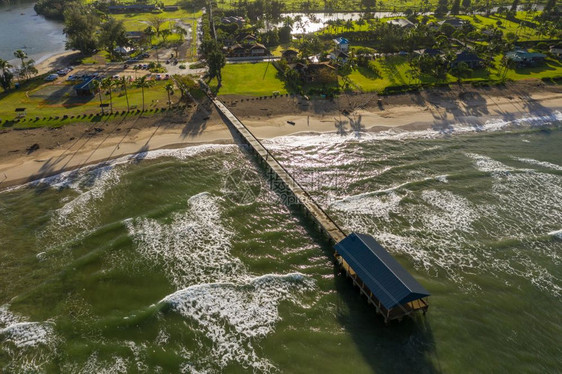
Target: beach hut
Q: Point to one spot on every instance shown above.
(386, 284)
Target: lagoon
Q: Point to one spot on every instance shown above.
(22, 28)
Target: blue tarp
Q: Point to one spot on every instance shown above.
(382, 274)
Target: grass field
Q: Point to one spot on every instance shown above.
(256, 79)
(395, 71)
(57, 99)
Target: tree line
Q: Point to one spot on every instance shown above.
(8, 72)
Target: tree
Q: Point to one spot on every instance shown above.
(165, 34)
(123, 84)
(455, 8)
(80, 27)
(514, 5)
(28, 69)
(216, 62)
(550, 5)
(143, 83)
(6, 75)
(95, 86)
(149, 32)
(466, 4)
(157, 23)
(170, 91)
(112, 34)
(21, 55)
(108, 84)
(441, 9)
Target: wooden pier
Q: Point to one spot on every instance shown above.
(400, 305)
(326, 225)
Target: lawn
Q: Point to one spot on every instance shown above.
(256, 79)
(394, 71)
(57, 99)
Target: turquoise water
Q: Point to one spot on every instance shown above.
(152, 264)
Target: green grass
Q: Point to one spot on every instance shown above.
(255, 79)
(394, 71)
(54, 99)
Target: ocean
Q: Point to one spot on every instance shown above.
(187, 261)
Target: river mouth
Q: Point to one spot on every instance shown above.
(21, 28)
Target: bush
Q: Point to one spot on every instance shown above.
(182, 66)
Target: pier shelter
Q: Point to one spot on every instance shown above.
(385, 283)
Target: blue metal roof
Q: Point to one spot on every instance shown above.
(382, 274)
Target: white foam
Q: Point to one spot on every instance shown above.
(493, 125)
(193, 248)
(557, 233)
(489, 165)
(544, 164)
(30, 345)
(375, 203)
(71, 178)
(453, 212)
(235, 316)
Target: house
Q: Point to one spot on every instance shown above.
(341, 44)
(289, 55)
(556, 50)
(455, 22)
(237, 51)
(240, 21)
(134, 35)
(321, 72)
(125, 51)
(339, 56)
(523, 58)
(258, 50)
(247, 50)
(469, 58)
(431, 52)
(84, 88)
(402, 23)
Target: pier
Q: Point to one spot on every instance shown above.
(380, 278)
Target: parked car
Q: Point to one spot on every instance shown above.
(51, 77)
(158, 77)
(116, 76)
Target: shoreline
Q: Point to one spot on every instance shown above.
(82, 145)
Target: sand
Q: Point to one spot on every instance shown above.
(75, 146)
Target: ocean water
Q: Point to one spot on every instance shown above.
(187, 261)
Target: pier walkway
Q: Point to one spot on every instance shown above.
(334, 233)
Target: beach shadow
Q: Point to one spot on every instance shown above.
(356, 125)
(197, 123)
(340, 126)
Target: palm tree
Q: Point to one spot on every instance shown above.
(6, 74)
(123, 84)
(143, 83)
(170, 91)
(109, 84)
(95, 86)
(21, 55)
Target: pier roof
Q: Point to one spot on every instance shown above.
(389, 282)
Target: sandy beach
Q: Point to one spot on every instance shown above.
(27, 155)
